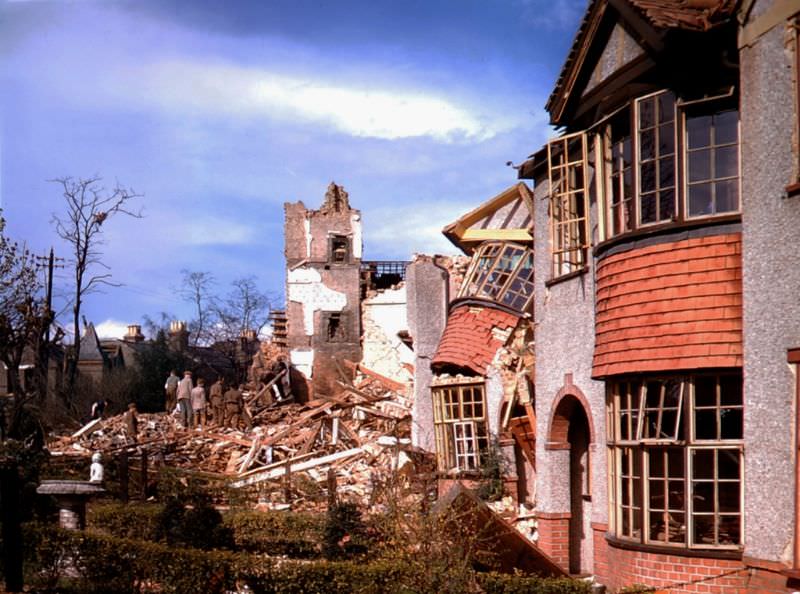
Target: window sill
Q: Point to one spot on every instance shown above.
(793, 190)
(678, 550)
(566, 277)
(664, 229)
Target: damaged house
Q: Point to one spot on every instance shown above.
(477, 373)
(667, 218)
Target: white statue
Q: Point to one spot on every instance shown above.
(96, 469)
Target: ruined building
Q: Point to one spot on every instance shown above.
(323, 291)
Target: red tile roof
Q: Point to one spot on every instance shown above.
(468, 341)
(670, 306)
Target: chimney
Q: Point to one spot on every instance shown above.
(134, 333)
(178, 336)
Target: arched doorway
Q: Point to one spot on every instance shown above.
(571, 428)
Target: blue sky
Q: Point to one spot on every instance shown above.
(221, 112)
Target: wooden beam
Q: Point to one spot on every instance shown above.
(296, 467)
(497, 234)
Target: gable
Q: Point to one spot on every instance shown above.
(621, 49)
(506, 217)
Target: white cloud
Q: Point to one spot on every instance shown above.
(111, 329)
(213, 231)
(232, 91)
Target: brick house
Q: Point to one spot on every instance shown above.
(667, 217)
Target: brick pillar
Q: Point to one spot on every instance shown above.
(600, 546)
(553, 531)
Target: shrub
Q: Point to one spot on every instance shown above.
(197, 525)
(345, 532)
(498, 583)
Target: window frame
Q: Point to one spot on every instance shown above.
(474, 287)
(641, 451)
(569, 242)
(449, 414)
(714, 105)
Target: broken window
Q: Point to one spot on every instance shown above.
(675, 454)
(459, 416)
(619, 161)
(569, 203)
(502, 272)
(339, 249)
(335, 327)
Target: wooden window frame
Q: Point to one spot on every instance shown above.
(569, 235)
(481, 278)
(636, 132)
(641, 452)
(723, 102)
(451, 411)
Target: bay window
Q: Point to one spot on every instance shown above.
(675, 459)
(667, 160)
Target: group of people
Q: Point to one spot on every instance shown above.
(193, 403)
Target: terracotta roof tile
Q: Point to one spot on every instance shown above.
(673, 306)
(468, 341)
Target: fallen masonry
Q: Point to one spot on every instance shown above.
(348, 442)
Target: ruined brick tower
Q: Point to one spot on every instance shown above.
(323, 262)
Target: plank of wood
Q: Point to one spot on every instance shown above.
(87, 427)
(296, 467)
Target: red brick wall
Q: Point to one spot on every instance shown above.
(670, 306)
(554, 536)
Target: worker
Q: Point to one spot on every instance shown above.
(233, 406)
(217, 403)
(199, 404)
(98, 408)
(171, 389)
(132, 422)
(184, 399)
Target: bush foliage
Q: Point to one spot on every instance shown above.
(72, 562)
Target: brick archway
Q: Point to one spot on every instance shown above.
(566, 400)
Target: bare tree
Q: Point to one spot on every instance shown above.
(245, 307)
(88, 205)
(196, 288)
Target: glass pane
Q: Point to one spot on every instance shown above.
(666, 140)
(647, 145)
(705, 391)
(676, 495)
(731, 421)
(729, 497)
(666, 206)
(730, 390)
(666, 172)
(657, 528)
(703, 496)
(699, 165)
(698, 131)
(726, 127)
(646, 119)
(657, 463)
(703, 529)
(657, 495)
(626, 524)
(727, 194)
(677, 527)
(699, 199)
(730, 531)
(726, 161)
(675, 462)
(648, 208)
(666, 107)
(728, 461)
(703, 464)
(705, 424)
(626, 151)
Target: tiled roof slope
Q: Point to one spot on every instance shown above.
(670, 306)
(469, 341)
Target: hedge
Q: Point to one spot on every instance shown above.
(66, 561)
(296, 535)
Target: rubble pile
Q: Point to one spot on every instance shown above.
(350, 442)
